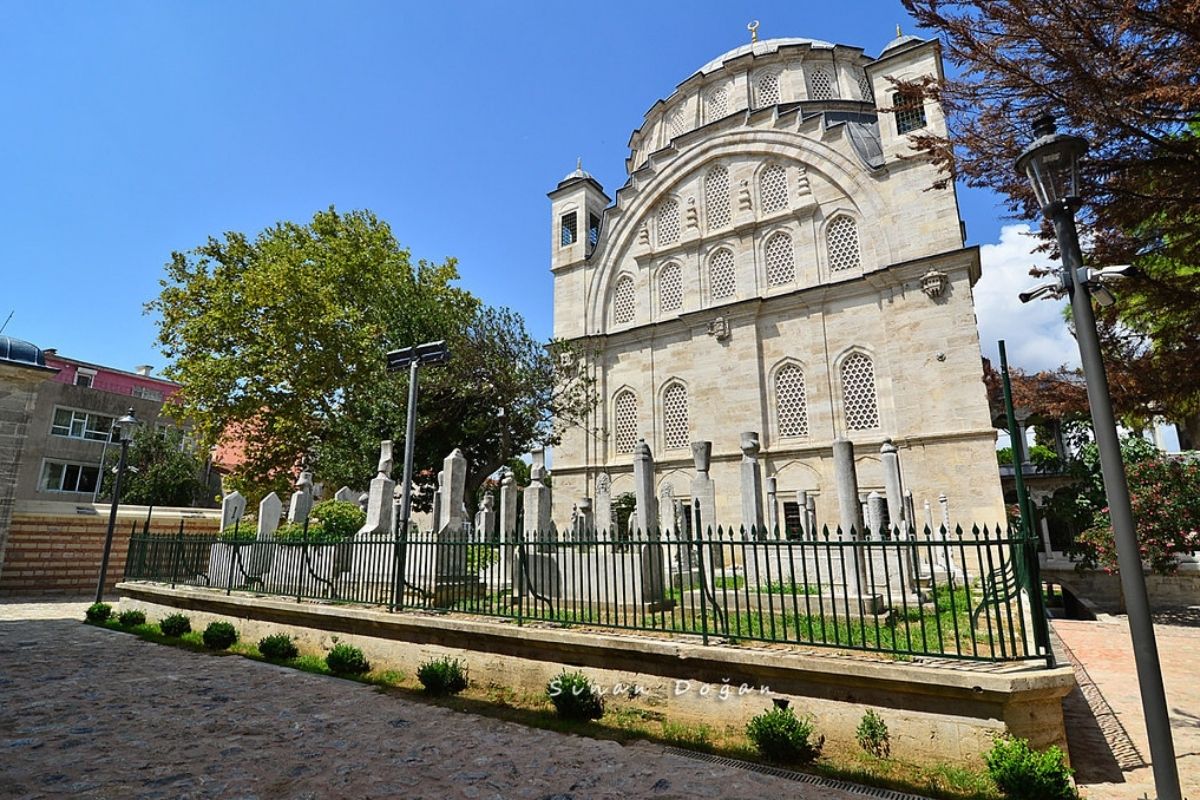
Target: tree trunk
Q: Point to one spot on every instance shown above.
(1189, 432)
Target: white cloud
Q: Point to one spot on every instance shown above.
(1035, 333)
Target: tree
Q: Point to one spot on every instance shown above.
(278, 335)
(162, 469)
(1121, 74)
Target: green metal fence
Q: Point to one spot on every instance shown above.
(973, 596)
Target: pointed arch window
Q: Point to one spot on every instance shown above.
(625, 421)
(859, 398)
(716, 104)
(841, 239)
(678, 122)
(781, 260)
(722, 281)
(766, 90)
(670, 287)
(675, 417)
(716, 197)
(624, 301)
(773, 189)
(820, 84)
(791, 401)
(668, 222)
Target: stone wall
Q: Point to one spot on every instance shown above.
(55, 548)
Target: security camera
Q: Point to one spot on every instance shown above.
(1112, 273)
(1103, 296)
(1043, 290)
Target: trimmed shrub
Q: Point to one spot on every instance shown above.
(278, 647)
(175, 625)
(220, 636)
(294, 533)
(872, 735)
(345, 659)
(131, 617)
(574, 697)
(443, 676)
(1022, 773)
(784, 738)
(98, 613)
(338, 519)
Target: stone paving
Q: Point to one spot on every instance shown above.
(1105, 728)
(90, 713)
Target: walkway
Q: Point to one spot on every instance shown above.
(90, 713)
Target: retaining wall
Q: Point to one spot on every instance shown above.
(939, 712)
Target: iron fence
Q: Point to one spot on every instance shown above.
(972, 596)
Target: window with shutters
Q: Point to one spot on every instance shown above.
(781, 260)
(624, 300)
(722, 283)
(859, 399)
(668, 222)
(675, 416)
(716, 197)
(773, 189)
(841, 238)
(791, 402)
(625, 428)
(670, 287)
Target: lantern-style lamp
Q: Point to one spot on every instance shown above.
(1051, 164)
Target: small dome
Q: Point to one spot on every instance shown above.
(578, 172)
(19, 351)
(902, 41)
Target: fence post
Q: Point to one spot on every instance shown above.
(701, 570)
(175, 555)
(1037, 603)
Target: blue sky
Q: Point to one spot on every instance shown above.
(133, 129)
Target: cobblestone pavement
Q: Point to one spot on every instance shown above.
(90, 713)
(1105, 727)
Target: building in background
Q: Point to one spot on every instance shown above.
(777, 262)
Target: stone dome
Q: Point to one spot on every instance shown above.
(761, 49)
(19, 351)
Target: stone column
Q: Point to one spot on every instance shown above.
(302, 499)
(889, 458)
(773, 509)
(485, 519)
(454, 475)
(233, 508)
(436, 513)
(704, 498)
(603, 519)
(452, 579)
(269, 512)
(508, 506)
(345, 495)
(752, 512)
(944, 502)
(877, 513)
(846, 479)
(666, 510)
(810, 515)
(643, 489)
(584, 530)
(537, 506)
(381, 495)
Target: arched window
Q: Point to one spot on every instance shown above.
(716, 197)
(670, 288)
(716, 104)
(773, 189)
(678, 121)
(858, 392)
(791, 401)
(864, 88)
(766, 90)
(820, 84)
(675, 417)
(668, 222)
(841, 238)
(722, 283)
(625, 426)
(624, 302)
(781, 261)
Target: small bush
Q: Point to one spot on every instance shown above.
(295, 533)
(278, 647)
(1022, 773)
(443, 676)
(873, 736)
(175, 625)
(98, 613)
(784, 738)
(345, 659)
(574, 697)
(220, 636)
(131, 617)
(338, 519)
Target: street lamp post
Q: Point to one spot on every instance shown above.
(125, 427)
(1052, 165)
(411, 357)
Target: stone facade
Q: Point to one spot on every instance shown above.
(774, 264)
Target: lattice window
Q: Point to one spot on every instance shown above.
(864, 87)
(841, 237)
(773, 188)
(820, 84)
(716, 197)
(670, 288)
(625, 422)
(791, 401)
(624, 301)
(675, 417)
(858, 392)
(677, 121)
(910, 112)
(722, 282)
(781, 260)
(668, 222)
(766, 90)
(716, 105)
